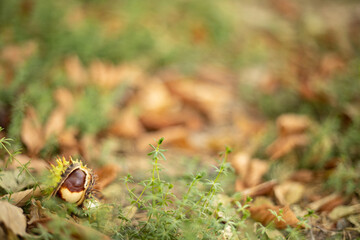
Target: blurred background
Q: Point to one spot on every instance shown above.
(100, 80)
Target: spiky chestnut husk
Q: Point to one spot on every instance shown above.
(71, 181)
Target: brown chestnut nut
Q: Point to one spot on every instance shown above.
(76, 181)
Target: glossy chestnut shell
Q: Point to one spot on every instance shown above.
(76, 183)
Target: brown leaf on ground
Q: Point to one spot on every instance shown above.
(55, 123)
(156, 121)
(261, 189)
(265, 217)
(19, 199)
(157, 98)
(327, 203)
(330, 64)
(290, 124)
(215, 73)
(12, 218)
(106, 175)
(109, 76)
(126, 124)
(289, 192)
(250, 171)
(291, 134)
(303, 176)
(89, 147)
(285, 145)
(68, 142)
(75, 71)
(257, 169)
(15, 54)
(64, 99)
(13, 181)
(31, 132)
(37, 213)
(201, 96)
(342, 211)
(240, 162)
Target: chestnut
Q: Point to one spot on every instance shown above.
(75, 183)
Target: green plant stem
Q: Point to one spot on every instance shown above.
(22, 165)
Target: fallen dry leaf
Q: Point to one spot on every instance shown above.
(240, 162)
(330, 64)
(110, 76)
(327, 203)
(68, 142)
(13, 181)
(126, 124)
(355, 219)
(290, 124)
(37, 212)
(13, 218)
(106, 175)
(265, 217)
(55, 123)
(261, 189)
(157, 98)
(303, 176)
(156, 121)
(342, 211)
(75, 71)
(289, 192)
(261, 200)
(19, 199)
(257, 169)
(249, 170)
(284, 145)
(31, 132)
(201, 96)
(89, 147)
(16, 54)
(64, 99)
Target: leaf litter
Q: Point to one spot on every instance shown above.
(198, 115)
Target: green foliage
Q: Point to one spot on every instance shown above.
(91, 100)
(23, 169)
(173, 217)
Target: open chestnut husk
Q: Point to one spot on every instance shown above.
(72, 181)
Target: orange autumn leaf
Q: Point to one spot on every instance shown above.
(250, 171)
(55, 123)
(290, 124)
(292, 130)
(31, 132)
(284, 145)
(75, 71)
(106, 175)
(126, 124)
(265, 215)
(261, 189)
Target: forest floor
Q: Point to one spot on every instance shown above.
(257, 105)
